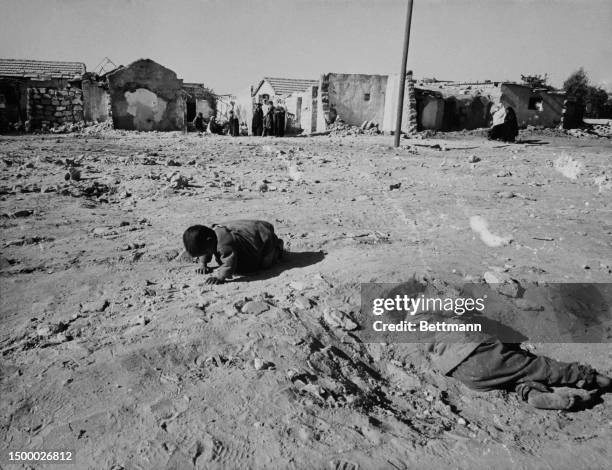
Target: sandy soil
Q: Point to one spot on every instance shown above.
(112, 346)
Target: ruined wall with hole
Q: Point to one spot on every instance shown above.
(533, 107)
(49, 107)
(145, 96)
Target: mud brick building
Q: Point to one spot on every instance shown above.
(357, 98)
(199, 99)
(146, 96)
(42, 93)
(297, 96)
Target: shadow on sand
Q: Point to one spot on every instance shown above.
(532, 142)
(291, 260)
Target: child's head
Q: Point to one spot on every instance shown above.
(200, 240)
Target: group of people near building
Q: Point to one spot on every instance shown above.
(231, 127)
(268, 120)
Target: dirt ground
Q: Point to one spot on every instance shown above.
(113, 347)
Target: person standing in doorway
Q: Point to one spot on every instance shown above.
(234, 125)
(268, 123)
(257, 122)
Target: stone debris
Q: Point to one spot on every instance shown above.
(260, 364)
(341, 129)
(302, 303)
(95, 306)
(19, 213)
(254, 307)
(140, 320)
(502, 283)
(73, 174)
(177, 181)
(338, 319)
(473, 159)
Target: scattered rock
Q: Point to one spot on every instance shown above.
(95, 306)
(22, 213)
(297, 285)
(503, 283)
(473, 159)
(73, 174)
(260, 364)
(339, 319)
(395, 186)
(140, 320)
(254, 307)
(100, 231)
(302, 303)
(178, 181)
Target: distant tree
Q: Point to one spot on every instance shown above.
(536, 81)
(592, 97)
(596, 101)
(211, 98)
(577, 85)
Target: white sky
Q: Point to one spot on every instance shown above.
(230, 44)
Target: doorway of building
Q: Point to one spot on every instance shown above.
(191, 110)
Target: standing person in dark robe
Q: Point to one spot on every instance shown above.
(234, 125)
(505, 125)
(280, 122)
(268, 123)
(198, 123)
(257, 122)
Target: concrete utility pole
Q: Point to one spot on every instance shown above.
(402, 80)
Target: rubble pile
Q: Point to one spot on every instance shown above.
(602, 130)
(68, 127)
(98, 127)
(342, 129)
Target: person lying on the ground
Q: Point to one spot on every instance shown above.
(483, 363)
(239, 246)
(505, 125)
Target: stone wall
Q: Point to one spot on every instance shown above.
(409, 112)
(145, 96)
(49, 107)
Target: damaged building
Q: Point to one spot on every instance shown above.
(199, 99)
(146, 96)
(429, 104)
(357, 98)
(297, 96)
(37, 94)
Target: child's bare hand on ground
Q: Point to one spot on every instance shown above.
(204, 270)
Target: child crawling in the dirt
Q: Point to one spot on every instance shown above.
(239, 246)
(488, 364)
